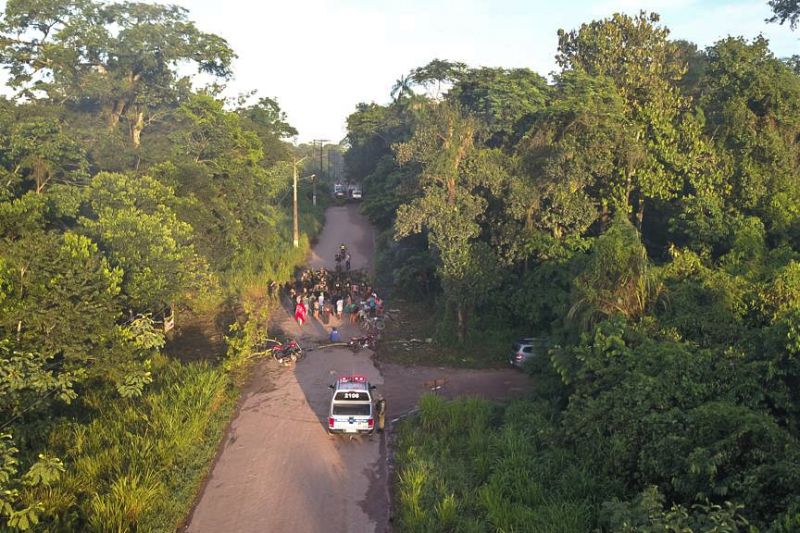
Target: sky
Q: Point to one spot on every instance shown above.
(319, 58)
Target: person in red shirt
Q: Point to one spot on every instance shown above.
(300, 312)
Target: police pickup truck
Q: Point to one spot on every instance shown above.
(351, 406)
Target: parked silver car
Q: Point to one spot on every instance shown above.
(525, 348)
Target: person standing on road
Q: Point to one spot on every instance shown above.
(339, 307)
(306, 299)
(380, 411)
(300, 312)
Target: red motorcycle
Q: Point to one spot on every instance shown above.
(368, 341)
(287, 353)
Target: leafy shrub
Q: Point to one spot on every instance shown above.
(138, 464)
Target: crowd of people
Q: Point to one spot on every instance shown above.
(346, 294)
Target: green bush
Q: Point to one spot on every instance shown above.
(471, 465)
(140, 462)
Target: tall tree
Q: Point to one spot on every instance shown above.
(449, 208)
(268, 121)
(437, 75)
(785, 10)
(645, 67)
(751, 101)
(122, 58)
(505, 100)
(402, 88)
(44, 153)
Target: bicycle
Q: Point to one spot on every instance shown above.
(369, 323)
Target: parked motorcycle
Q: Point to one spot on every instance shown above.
(358, 343)
(287, 353)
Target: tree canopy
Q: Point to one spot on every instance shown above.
(639, 212)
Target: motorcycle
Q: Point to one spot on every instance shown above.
(356, 344)
(341, 254)
(287, 353)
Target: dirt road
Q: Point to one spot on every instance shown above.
(278, 469)
(344, 225)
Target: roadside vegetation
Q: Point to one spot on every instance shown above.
(411, 338)
(640, 210)
(127, 194)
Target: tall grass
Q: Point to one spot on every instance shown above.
(138, 464)
(471, 465)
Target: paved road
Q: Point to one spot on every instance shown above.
(278, 469)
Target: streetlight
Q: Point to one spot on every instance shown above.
(314, 182)
(295, 223)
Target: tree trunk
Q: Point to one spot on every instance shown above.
(639, 211)
(40, 175)
(136, 129)
(115, 113)
(461, 316)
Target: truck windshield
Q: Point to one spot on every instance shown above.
(351, 409)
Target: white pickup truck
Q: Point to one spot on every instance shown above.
(351, 406)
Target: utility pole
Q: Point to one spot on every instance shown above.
(314, 182)
(295, 223)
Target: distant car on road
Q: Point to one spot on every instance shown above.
(525, 348)
(355, 194)
(351, 406)
(339, 191)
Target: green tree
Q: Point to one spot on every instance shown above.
(222, 168)
(574, 161)
(145, 239)
(646, 69)
(785, 10)
(61, 298)
(449, 208)
(29, 383)
(750, 100)
(617, 278)
(268, 121)
(43, 152)
(121, 57)
(504, 100)
(437, 75)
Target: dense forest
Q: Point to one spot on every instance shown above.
(128, 192)
(641, 210)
